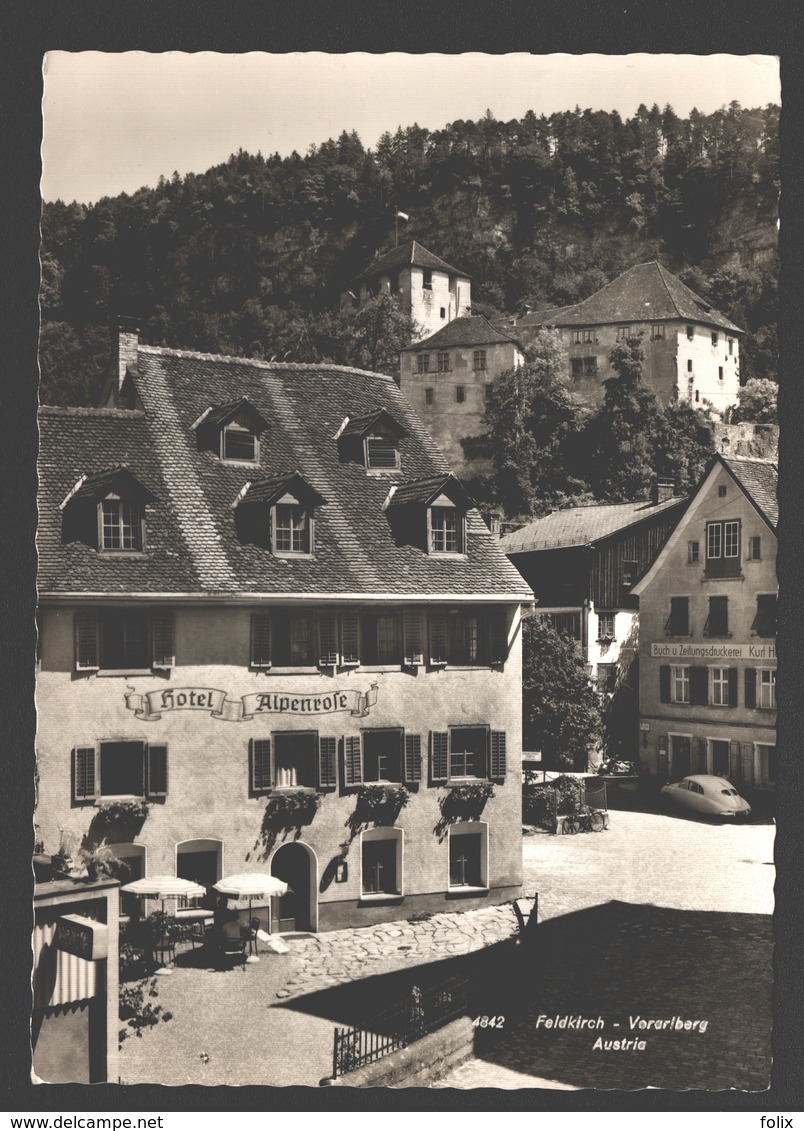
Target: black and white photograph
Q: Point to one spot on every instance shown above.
(406, 585)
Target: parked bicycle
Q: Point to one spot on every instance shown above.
(585, 821)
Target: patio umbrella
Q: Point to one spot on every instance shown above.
(251, 885)
(164, 887)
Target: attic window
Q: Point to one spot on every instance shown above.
(293, 529)
(238, 443)
(427, 278)
(106, 511)
(278, 513)
(121, 524)
(445, 528)
(382, 453)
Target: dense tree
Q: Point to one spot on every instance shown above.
(371, 337)
(757, 402)
(560, 708)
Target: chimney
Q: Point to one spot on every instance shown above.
(494, 522)
(128, 340)
(662, 490)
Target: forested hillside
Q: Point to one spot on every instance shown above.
(249, 257)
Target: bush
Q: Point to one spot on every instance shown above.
(138, 1013)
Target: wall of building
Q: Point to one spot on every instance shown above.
(760, 441)
(208, 758)
(450, 294)
(448, 419)
(741, 726)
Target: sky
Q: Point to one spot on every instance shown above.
(116, 122)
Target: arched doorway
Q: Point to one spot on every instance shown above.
(297, 910)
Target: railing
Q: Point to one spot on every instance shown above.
(423, 1012)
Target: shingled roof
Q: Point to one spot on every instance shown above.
(646, 292)
(192, 545)
(581, 526)
(759, 478)
(406, 255)
(469, 330)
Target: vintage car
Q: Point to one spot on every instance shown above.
(706, 795)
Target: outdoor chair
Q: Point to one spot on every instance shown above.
(165, 950)
(198, 934)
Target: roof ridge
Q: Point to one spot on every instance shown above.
(673, 302)
(259, 363)
(91, 410)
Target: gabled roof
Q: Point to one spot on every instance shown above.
(223, 413)
(98, 484)
(469, 330)
(406, 255)
(366, 424)
(268, 488)
(646, 292)
(425, 491)
(582, 526)
(192, 545)
(759, 478)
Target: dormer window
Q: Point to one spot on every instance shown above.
(372, 440)
(382, 453)
(231, 431)
(238, 443)
(430, 513)
(445, 529)
(106, 510)
(278, 513)
(292, 529)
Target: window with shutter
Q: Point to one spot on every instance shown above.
(327, 640)
(86, 642)
(350, 635)
(352, 760)
(413, 758)
(157, 783)
(84, 773)
(262, 778)
(413, 637)
(327, 757)
(699, 686)
(439, 755)
(679, 623)
(260, 640)
(162, 639)
(764, 623)
(438, 638)
(382, 755)
(498, 761)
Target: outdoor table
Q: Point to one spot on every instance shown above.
(194, 915)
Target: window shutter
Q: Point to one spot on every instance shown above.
(413, 757)
(733, 692)
(439, 755)
(350, 637)
(498, 636)
(414, 637)
(260, 640)
(86, 642)
(162, 638)
(438, 638)
(750, 687)
(700, 756)
(157, 782)
(737, 767)
(84, 776)
(699, 687)
(260, 765)
(352, 760)
(327, 640)
(327, 757)
(498, 754)
(664, 683)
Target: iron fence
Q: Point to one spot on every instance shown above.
(422, 1012)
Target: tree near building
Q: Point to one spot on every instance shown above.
(560, 708)
(371, 337)
(757, 402)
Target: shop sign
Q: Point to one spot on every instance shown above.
(151, 706)
(85, 938)
(715, 651)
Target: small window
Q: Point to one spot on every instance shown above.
(442, 360)
(460, 394)
(630, 571)
(720, 373)
(689, 365)
(717, 623)
(381, 862)
(693, 552)
(590, 367)
(766, 688)
(679, 624)
(605, 626)
(680, 684)
(382, 755)
(723, 548)
(722, 491)
(429, 397)
(423, 362)
(427, 278)
(468, 752)
(121, 525)
(466, 858)
(697, 396)
(238, 443)
(120, 769)
(657, 330)
(623, 333)
(606, 678)
(487, 393)
(566, 624)
(443, 312)
(690, 332)
(479, 360)
(577, 337)
(292, 529)
(719, 687)
(755, 548)
(446, 530)
(296, 760)
(577, 367)
(714, 338)
(589, 336)
(765, 620)
(731, 347)
(382, 453)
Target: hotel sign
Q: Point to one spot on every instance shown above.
(83, 937)
(151, 706)
(717, 651)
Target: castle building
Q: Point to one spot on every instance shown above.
(448, 377)
(275, 635)
(429, 290)
(707, 637)
(692, 352)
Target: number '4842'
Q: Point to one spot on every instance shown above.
(488, 1022)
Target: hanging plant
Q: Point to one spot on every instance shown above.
(121, 812)
(472, 795)
(383, 796)
(293, 808)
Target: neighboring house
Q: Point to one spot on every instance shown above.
(692, 352)
(582, 564)
(448, 377)
(261, 591)
(427, 288)
(708, 633)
